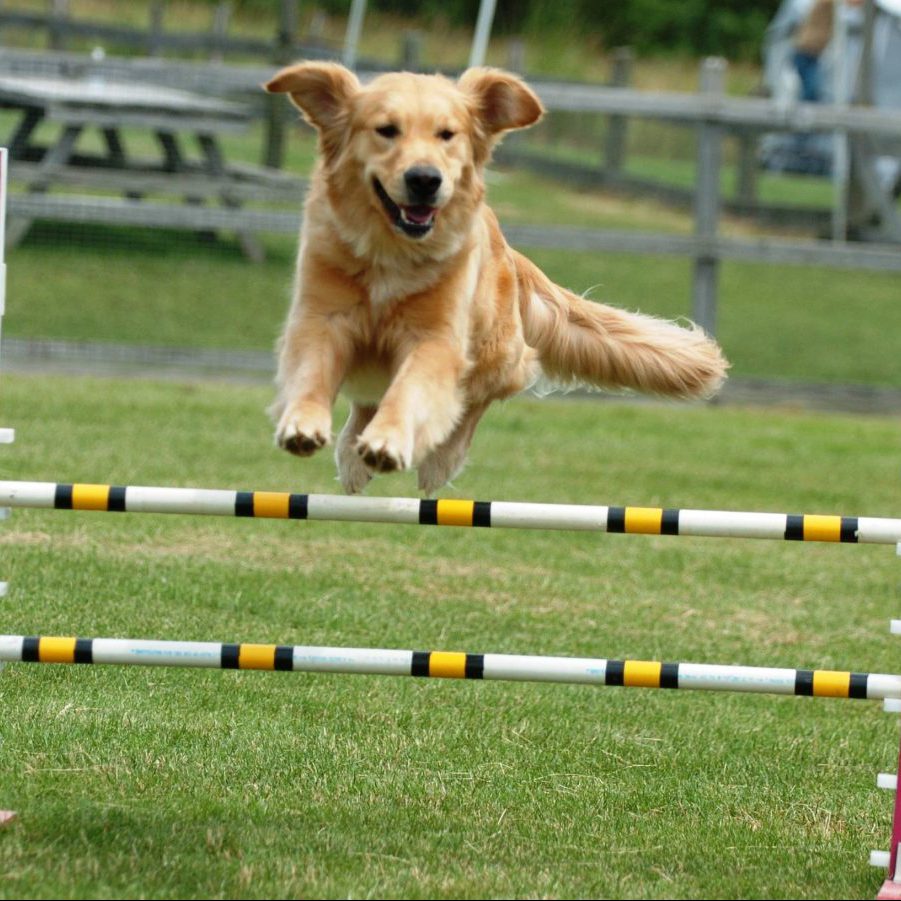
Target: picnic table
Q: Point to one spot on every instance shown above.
(210, 191)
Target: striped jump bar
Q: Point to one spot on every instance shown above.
(412, 511)
(451, 665)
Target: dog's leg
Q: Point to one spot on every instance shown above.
(353, 472)
(419, 410)
(313, 362)
(446, 460)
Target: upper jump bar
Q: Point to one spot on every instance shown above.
(451, 512)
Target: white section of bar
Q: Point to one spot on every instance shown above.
(891, 705)
(4, 589)
(730, 524)
(505, 514)
(883, 685)
(874, 530)
(880, 859)
(11, 647)
(372, 661)
(7, 436)
(205, 501)
(895, 626)
(363, 509)
(888, 781)
(27, 494)
(5, 512)
(775, 680)
(525, 668)
(156, 653)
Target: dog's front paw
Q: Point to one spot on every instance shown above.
(382, 454)
(299, 437)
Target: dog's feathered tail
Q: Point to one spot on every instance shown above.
(579, 341)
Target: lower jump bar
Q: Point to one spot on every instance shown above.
(450, 665)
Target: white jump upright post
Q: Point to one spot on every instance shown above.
(891, 887)
(6, 435)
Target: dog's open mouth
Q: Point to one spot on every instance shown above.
(415, 220)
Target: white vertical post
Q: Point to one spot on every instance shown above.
(6, 435)
(482, 33)
(354, 30)
(840, 154)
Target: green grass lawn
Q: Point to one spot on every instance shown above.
(181, 783)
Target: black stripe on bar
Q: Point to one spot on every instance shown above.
(615, 672)
(428, 514)
(475, 666)
(669, 675)
(243, 503)
(116, 501)
(669, 523)
(616, 522)
(849, 529)
(30, 648)
(794, 527)
(481, 513)
(297, 506)
(84, 652)
(804, 682)
(62, 498)
(857, 687)
(419, 666)
(284, 657)
(229, 659)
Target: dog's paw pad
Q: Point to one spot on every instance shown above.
(300, 443)
(381, 457)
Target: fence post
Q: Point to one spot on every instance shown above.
(219, 30)
(59, 13)
(707, 200)
(615, 135)
(746, 181)
(155, 28)
(516, 55)
(274, 146)
(411, 51)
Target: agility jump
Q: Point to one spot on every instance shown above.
(488, 514)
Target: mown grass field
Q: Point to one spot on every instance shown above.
(153, 783)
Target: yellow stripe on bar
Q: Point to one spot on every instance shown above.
(447, 664)
(455, 513)
(822, 528)
(56, 650)
(642, 673)
(831, 684)
(644, 520)
(256, 656)
(90, 497)
(271, 504)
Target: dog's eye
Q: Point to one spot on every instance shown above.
(388, 131)
(446, 134)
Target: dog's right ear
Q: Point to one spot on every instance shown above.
(320, 91)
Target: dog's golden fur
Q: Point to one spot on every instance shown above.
(419, 310)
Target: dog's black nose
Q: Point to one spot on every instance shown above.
(422, 182)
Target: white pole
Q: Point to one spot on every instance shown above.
(452, 512)
(840, 154)
(482, 33)
(352, 35)
(451, 665)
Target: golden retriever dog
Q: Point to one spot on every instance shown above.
(409, 300)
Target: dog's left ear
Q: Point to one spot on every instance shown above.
(502, 101)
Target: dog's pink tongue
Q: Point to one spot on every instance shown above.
(419, 214)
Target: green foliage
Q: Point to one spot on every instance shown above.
(732, 28)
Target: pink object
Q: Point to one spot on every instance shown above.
(7, 816)
(890, 889)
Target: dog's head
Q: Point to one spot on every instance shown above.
(412, 145)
